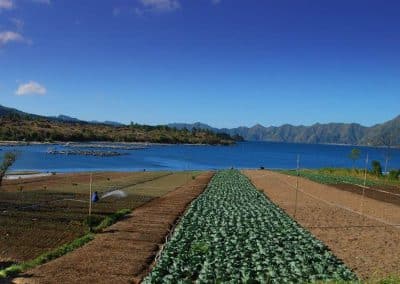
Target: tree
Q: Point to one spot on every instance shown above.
(8, 160)
(354, 155)
(376, 168)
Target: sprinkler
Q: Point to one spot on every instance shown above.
(115, 193)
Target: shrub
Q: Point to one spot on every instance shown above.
(8, 161)
(394, 174)
(93, 220)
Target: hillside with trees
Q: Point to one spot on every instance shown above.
(17, 126)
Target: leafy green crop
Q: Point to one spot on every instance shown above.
(233, 233)
(330, 178)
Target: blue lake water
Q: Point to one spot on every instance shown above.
(183, 157)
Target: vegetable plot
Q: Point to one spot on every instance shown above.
(330, 179)
(234, 233)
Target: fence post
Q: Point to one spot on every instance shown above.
(363, 192)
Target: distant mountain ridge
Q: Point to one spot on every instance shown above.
(387, 133)
(64, 118)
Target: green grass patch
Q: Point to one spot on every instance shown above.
(329, 176)
(109, 220)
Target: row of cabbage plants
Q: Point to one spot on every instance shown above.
(233, 233)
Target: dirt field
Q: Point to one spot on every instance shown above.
(124, 252)
(368, 244)
(51, 211)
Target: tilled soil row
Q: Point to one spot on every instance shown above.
(124, 252)
(389, 195)
(369, 247)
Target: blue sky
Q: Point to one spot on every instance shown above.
(226, 63)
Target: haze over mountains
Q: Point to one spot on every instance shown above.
(387, 133)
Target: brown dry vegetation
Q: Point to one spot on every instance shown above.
(124, 252)
(45, 214)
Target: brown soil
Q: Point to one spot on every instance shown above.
(124, 252)
(72, 182)
(385, 194)
(366, 242)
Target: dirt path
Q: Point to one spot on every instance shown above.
(368, 245)
(123, 253)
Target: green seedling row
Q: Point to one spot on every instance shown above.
(233, 233)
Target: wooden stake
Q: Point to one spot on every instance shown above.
(90, 202)
(297, 184)
(187, 169)
(365, 182)
(365, 171)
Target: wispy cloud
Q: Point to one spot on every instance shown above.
(158, 6)
(48, 2)
(215, 2)
(10, 36)
(30, 88)
(6, 4)
(19, 24)
(116, 11)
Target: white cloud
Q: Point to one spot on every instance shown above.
(6, 4)
(9, 36)
(160, 5)
(31, 88)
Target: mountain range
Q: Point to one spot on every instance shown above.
(384, 134)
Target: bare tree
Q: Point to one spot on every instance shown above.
(8, 160)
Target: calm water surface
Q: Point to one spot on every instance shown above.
(183, 157)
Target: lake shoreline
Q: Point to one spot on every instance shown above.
(99, 144)
(200, 157)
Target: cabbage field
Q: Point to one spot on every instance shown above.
(233, 233)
